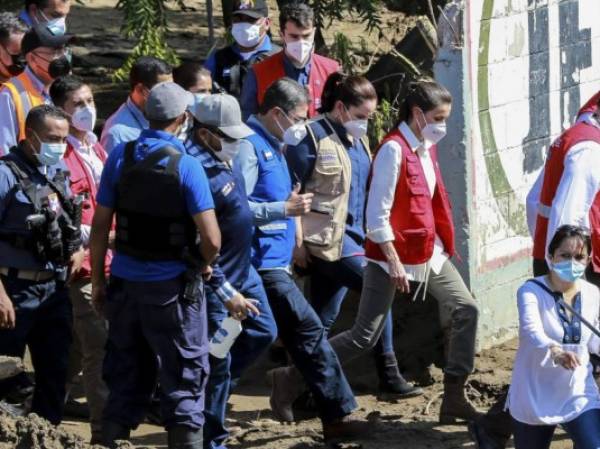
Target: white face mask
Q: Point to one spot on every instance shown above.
(294, 134)
(58, 27)
(84, 118)
(357, 128)
(185, 128)
(229, 150)
(299, 50)
(246, 34)
(432, 132)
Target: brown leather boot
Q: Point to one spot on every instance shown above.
(286, 385)
(346, 428)
(456, 405)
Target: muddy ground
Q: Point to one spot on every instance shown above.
(409, 424)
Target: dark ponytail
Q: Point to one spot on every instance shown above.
(425, 94)
(352, 90)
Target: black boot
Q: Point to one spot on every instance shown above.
(111, 431)
(390, 379)
(184, 437)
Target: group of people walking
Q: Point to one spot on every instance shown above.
(209, 189)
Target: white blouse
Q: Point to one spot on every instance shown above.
(386, 170)
(541, 392)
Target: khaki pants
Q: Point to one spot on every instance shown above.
(458, 314)
(91, 333)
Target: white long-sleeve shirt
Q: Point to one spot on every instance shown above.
(386, 170)
(576, 185)
(541, 392)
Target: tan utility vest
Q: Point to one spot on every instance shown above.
(324, 226)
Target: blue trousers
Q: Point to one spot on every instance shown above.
(584, 431)
(258, 332)
(330, 281)
(305, 338)
(44, 321)
(153, 335)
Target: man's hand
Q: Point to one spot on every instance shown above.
(298, 204)
(76, 262)
(99, 297)
(7, 312)
(238, 307)
(301, 256)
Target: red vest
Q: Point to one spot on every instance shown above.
(82, 183)
(416, 217)
(272, 69)
(591, 105)
(553, 171)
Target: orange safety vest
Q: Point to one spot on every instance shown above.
(25, 97)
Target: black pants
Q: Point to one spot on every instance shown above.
(497, 422)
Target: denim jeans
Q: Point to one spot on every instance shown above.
(584, 431)
(44, 320)
(305, 338)
(330, 281)
(258, 332)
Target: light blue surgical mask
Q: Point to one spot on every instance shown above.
(50, 153)
(568, 270)
(58, 26)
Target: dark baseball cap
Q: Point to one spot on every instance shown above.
(251, 8)
(41, 36)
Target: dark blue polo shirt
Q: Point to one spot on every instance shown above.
(235, 221)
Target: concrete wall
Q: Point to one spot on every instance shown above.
(518, 76)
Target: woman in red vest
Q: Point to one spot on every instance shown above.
(410, 239)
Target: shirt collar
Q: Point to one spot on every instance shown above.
(266, 45)
(410, 137)
(77, 144)
(290, 65)
(26, 18)
(37, 83)
(273, 141)
(204, 155)
(136, 112)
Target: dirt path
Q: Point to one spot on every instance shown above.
(407, 424)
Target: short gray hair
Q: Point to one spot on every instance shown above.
(286, 94)
(9, 24)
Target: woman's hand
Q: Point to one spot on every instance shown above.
(566, 359)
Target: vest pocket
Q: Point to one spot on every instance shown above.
(317, 228)
(420, 201)
(327, 176)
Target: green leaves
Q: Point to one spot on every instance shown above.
(146, 22)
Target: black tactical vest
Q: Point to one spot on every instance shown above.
(153, 222)
(231, 69)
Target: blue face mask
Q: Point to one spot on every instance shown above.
(569, 270)
(51, 153)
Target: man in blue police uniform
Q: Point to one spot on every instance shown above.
(250, 30)
(235, 286)
(154, 301)
(39, 241)
(276, 208)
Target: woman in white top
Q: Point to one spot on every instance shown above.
(552, 380)
(410, 239)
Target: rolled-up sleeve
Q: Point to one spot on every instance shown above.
(386, 170)
(577, 189)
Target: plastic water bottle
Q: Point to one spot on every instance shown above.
(224, 338)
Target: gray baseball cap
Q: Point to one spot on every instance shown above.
(223, 112)
(167, 101)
